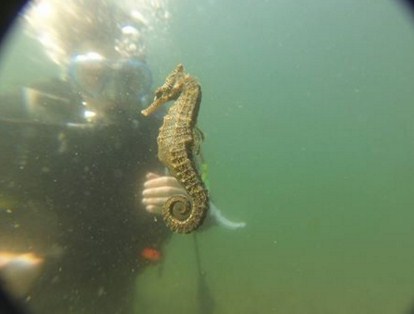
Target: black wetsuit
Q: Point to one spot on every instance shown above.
(74, 191)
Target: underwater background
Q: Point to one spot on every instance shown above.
(308, 116)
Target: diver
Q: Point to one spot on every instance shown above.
(76, 155)
(81, 188)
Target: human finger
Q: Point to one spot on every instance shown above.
(163, 191)
(151, 175)
(156, 201)
(153, 209)
(161, 181)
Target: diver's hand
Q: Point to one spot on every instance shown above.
(157, 189)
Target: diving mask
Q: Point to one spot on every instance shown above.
(122, 80)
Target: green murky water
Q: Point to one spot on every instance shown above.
(308, 117)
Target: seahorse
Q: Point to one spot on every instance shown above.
(178, 142)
